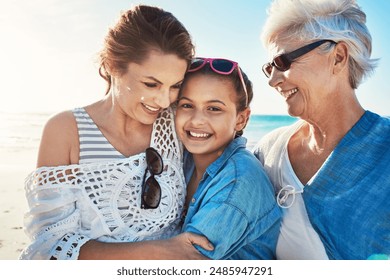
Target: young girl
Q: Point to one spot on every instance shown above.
(229, 197)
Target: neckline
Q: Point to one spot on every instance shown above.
(288, 162)
(120, 153)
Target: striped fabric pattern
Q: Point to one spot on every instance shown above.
(93, 145)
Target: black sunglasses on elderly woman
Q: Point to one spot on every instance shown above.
(283, 62)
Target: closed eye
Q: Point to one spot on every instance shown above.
(150, 85)
(177, 86)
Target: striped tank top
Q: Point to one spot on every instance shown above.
(93, 145)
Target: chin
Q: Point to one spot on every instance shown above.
(194, 150)
(293, 113)
(147, 120)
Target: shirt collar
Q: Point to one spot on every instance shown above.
(237, 143)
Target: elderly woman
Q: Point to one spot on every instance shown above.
(331, 169)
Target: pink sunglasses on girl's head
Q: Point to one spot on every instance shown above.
(221, 66)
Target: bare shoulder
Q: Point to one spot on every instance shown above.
(61, 120)
(59, 143)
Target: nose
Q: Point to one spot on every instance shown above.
(198, 117)
(275, 78)
(163, 98)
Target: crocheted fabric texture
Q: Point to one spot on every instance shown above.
(70, 205)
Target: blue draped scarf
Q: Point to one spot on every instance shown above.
(348, 202)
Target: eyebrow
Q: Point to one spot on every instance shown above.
(208, 101)
(158, 81)
(154, 79)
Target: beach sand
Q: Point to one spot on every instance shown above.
(14, 167)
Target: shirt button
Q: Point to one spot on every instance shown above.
(193, 200)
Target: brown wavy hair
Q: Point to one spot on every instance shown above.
(138, 31)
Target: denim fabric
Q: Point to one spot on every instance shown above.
(348, 202)
(234, 206)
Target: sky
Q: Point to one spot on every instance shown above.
(48, 49)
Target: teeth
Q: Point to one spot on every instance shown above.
(151, 108)
(199, 135)
(287, 94)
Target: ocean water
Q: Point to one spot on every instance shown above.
(20, 131)
(259, 125)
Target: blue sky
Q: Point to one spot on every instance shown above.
(48, 50)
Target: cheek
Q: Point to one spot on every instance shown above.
(226, 124)
(179, 120)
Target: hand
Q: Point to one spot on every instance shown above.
(182, 246)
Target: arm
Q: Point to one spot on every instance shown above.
(178, 247)
(235, 213)
(52, 212)
(223, 224)
(59, 142)
(236, 234)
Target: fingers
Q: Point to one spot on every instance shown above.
(199, 240)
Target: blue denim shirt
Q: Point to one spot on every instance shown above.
(234, 206)
(348, 202)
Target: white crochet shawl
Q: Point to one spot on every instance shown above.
(70, 205)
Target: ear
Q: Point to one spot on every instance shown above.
(340, 56)
(242, 119)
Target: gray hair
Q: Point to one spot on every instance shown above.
(337, 20)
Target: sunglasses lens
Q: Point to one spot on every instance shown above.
(154, 161)
(267, 69)
(222, 65)
(196, 64)
(151, 194)
(282, 63)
